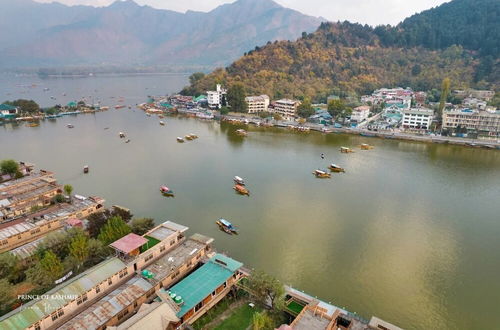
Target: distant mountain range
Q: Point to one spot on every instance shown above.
(459, 40)
(125, 33)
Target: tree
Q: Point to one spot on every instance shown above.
(9, 266)
(9, 166)
(68, 189)
(261, 321)
(445, 89)
(59, 198)
(140, 226)
(267, 289)
(45, 272)
(195, 77)
(277, 116)
(335, 107)
(96, 221)
(236, 98)
(114, 229)
(5, 293)
(122, 213)
(305, 109)
(28, 106)
(224, 110)
(78, 248)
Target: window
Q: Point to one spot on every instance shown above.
(110, 281)
(4, 242)
(97, 289)
(149, 257)
(162, 248)
(198, 307)
(135, 304)
(54, 316)
(37, 326)
(213, 294)
(172, 242)
(61, 312)
(225, 285)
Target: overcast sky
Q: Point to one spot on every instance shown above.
(372, 12)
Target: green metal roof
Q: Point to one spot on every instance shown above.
(6, 107)
(72, 104)
(204, 281)
(37, 310)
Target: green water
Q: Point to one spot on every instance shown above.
(410, 233)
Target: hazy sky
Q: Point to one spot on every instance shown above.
(372, 12)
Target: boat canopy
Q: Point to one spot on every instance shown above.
(237, 178)
(335, 166)
(226, 223)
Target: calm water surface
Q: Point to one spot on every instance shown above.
(410, 233)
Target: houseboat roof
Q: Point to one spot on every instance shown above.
(204, 281)
(129, 243)
(36, 310)
(96, 315)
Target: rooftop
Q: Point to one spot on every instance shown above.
(154, 316)
(29, 249)
(129, 243)
(24, 180)
(204, 281)
(96, 315)
(310, 321)
(62, 294)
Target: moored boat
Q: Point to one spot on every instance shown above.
(86, 169)
(180, 140)
(121, 135)
(322, 174)
(166, 191)
(34, 124)
(365, 146)
(346, 150)
(239, 180)
(162, 123)
(241, 132)
(226, 226)
(241, 190)
(335, 168)
(193, 136)
(188, 137)
(70, 126)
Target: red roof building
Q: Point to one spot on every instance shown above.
(129, 245)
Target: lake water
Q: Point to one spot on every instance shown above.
(410, 233)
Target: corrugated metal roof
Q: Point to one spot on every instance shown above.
(175, 226)
(204, 281)
(129, 243)
(102, 311)
(37, 310)
(160, 233)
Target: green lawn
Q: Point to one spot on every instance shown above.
(295, 307)
(240, 319)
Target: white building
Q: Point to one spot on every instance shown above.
(286, 108)
(257, 104)
(360, 114)
(483, 121)
(420, 118)
(216, 97)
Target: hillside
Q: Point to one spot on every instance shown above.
(346, 57)
(125, 33)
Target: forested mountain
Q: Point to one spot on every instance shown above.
(125, 33)
(346, 57)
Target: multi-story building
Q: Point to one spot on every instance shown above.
(419, 118)
(29, 228)
(216, 98)
(286, 108)
(360, 114)
(7, 111)
(482, 121)
(257, 104)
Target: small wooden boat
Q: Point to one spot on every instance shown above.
(241, 132)
(70, 126)
(86, 169)
(322, 174)
(180, 140)
(226, 226)
(33, 124)
(188, 137)
(121, 135)
(365, 146)
(346, 150)
(336, 168)
(166, 191)
(162, 123)
(241, 190)
(239, 181)
(193, 136)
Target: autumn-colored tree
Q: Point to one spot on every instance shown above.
(445, 90)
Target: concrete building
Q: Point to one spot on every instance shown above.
(286, 108)
(360, 114)
(487, 122)
(257, 104)
(216, 98)
(419, 118)
(29, 228)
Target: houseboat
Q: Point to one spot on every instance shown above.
(241, 132)
(241, 190)
(121, 135)
(346, 150)
(70, 126)
(336, 168)
(166, 191)
(86, 169)
(239, 181)
(180, 140)
(322, 174)
(365, 146)
(162, 123)
(226, 226)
